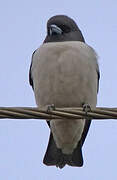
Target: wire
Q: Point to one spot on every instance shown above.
(57, 113)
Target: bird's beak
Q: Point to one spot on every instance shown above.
(55, 30)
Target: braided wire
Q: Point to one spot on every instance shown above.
(57, 113)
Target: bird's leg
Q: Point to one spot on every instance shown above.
(50, 108)
(86, 108)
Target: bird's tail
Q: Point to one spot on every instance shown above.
(55, 157)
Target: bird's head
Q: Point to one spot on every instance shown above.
(62, 28)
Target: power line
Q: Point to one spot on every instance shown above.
(57, 113)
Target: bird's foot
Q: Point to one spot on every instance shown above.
(50, 108)
(86, 108)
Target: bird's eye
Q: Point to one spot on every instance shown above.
(54, 30)
(65, 29)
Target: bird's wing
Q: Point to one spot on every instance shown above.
(30, 73)
(98, 75)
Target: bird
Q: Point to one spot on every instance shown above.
(64, 71)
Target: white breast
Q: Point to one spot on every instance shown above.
(65, 74)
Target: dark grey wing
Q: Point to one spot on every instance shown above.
(85, 131)
(30, 73)
(30, 76)
(98, 76)
(53, 154)
(98, 73)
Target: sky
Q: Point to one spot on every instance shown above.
(23, 142)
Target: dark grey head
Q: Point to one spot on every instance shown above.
(62, 28)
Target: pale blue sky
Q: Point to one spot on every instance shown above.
(23, 142)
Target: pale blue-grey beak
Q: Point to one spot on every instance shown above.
(54, 29)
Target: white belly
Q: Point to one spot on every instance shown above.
(67, 133)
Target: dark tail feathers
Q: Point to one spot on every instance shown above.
(55, 157)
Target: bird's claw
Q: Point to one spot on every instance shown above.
(50, 108)
(86, 108)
